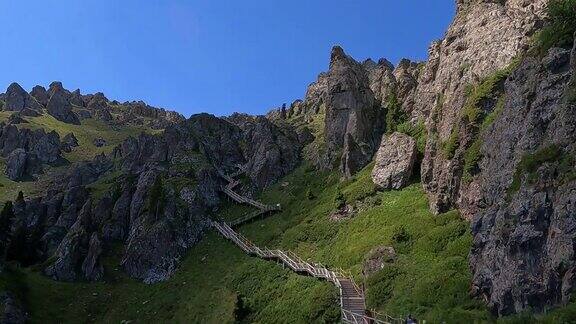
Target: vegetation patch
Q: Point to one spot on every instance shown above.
(394, 114)
(416, 131)
(561, 26)
(530, 163)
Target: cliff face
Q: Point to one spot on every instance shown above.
(524, 200)
(484, 37)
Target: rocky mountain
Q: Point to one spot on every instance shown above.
(487, 125)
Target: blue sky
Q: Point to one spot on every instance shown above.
(207, 55)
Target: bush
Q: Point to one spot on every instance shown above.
(561, 27)
(310, 195)
(451, 145)
(394, 114)
(530, 163)
(417, 131)
(381, 286)
(339, 200)
(472, 157)
(156, 198)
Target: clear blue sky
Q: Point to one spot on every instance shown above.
(205, 55)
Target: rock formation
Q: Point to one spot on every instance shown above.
(523, 216)
(485, 36)
(394, 161)
(16, 99)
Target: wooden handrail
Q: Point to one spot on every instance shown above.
(293, 261)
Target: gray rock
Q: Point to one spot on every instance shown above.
(522, 255)
(485, 36)
(99, 142)
(59, 107)
(69, 142)
(76, 98)
(92, 268)
(16, 164)
(12, 310)
(377, 259)
(394, 161)
(350, 111)
(16, 99)
(39, 93)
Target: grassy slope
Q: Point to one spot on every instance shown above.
(430, 278)
(85, 133)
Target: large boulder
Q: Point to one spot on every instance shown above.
(395, 161)
(17, 99)
(377, 259)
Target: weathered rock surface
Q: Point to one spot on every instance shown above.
(394, 161)
(12, 310)
(39, 93)
(351, 112)
(59, 106)
(33, 147)
(20, 163)
(69, 142)
(523, 251)
(17, 99)
(485, 36)
(377, 259)
(271, 151)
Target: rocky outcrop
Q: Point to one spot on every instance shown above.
(394, 161)
(39, 93)
(76, 98)
(271, 151)
(59, 106)
(69, 142)
(21, 163)
(27, 149)
(12, 311)
(377, 259)
(522, 200)
(484, 37)
(351, 111)
(17, 99)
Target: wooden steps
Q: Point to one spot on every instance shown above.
(352, 302)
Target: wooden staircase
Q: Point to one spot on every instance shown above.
(352, 302)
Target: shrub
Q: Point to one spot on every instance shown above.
(310, 195)
(471, 159)
(561, 26)
(530, 163)
(381, 286)
(417, 131)
(339, 200)
(394, 114)
(400, 234)
(156, 198)
(451, 145)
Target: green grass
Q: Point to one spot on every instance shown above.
(204, 290)
(86, 133)
(217, 283)
(564, 164)
(417, 131)
(431, 275)
(561, 26)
